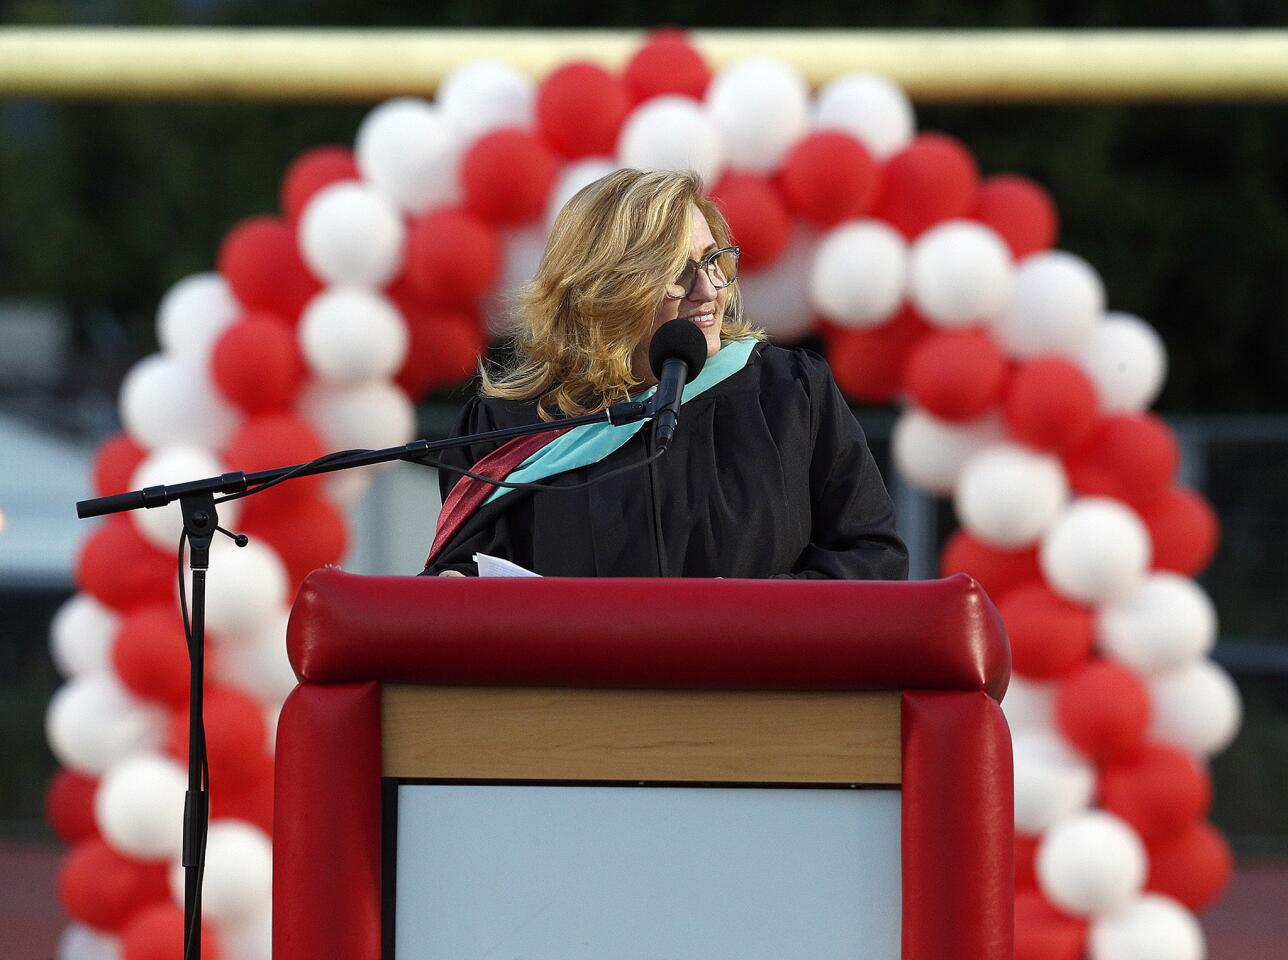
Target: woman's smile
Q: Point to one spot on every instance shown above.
(705, 320)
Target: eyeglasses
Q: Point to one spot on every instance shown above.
(720, 266)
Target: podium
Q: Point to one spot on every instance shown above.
(496, 685)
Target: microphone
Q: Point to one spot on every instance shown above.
(677, 355)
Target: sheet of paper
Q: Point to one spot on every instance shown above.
(498, 567)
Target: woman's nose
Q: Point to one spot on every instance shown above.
(703, 289)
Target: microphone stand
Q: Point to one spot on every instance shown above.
(201, 523)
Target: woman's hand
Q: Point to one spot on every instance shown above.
(451, 573)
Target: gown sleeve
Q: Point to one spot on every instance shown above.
(852, 516)
(459, 554)
(473, 418)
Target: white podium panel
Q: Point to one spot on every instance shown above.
(535, 872)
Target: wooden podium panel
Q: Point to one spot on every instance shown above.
(484, 784)
(517, 733)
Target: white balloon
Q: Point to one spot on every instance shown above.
(1096, 552)
(1196, 706)
(238, 880)
(192, 315)
(572, 179)
(1051, 781)
(760, 106)
(81, 636)
(351, 334)
(960, 274)
(1056, 302)
(257, 662)
(522, 249)
(1007, 495)
(161, 526)
(409, 151)
(1028, 705)
(272, 714)
(777, 298)
(485, 95)
(872, 108)
(1152, 928)
(166, 401)
(930, 453)
(345, 488)
(139, 807)
(1127, 361)
(671, 133)
(86, 943)
(1091, 864)
(1169, 620)
(249, 937)
(374, 414)
(93, 723)
(859, 274)
(245, 587)
(351, 234)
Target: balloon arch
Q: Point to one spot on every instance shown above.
(384, 276)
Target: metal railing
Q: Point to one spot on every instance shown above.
(995, 66)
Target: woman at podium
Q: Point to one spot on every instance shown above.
(768, 475)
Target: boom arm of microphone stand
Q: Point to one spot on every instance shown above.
(239, 482)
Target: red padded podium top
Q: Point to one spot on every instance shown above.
(649, 633)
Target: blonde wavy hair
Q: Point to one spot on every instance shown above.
(612, 251)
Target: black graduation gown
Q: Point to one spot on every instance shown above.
(769, 475)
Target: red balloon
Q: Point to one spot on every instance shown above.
(829, 176)
(252, 802)
(453, 258)
(1194, 867)
(115, 461)
(310, 172)
(257, 365)
(580, 108)
(1022, 213)
(868, 364)
(956, 374)
(156, 933)
(1049, 635)
(121, 570)
(998, 571)
(102, 888)
(934, 178)
(69, 806)
(443, 350)
(262, 264)
(1184, 529)
(275, 440)
(667, 63)
(1044, 933)
(1026, 854)
(150, 654)
(405, 298)
(236, 738)
(1050, 404)
(506, 176)
(307, 534)
(1103, 710)
(757, 218)
(1160, 791)
(1130, 457)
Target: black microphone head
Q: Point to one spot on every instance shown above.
(682, 340)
